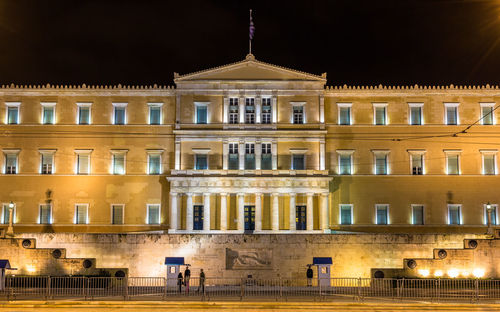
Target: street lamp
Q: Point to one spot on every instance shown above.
(10, 229)
(489, 210)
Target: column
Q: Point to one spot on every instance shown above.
(274, 152)
(189, 212)
(258, 154)
(323, 205)
(322, 155)
(241, 110)
(241, 154)
(258, 212)
(275, 216)
(173, 211)
(223, 211)
(241, 212)
(206, 212)
(225, 113)
(274, 104)
(258, 105)
(225, 154)
(309, 212)
(177, 155)
(293, 211)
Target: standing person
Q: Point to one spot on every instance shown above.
(202, 282)
(179, 281)
(309, 275)
(187, 276)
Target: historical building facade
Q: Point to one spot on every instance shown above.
(249, 147)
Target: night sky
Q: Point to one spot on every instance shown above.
(371, 42)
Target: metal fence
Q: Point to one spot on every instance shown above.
(158, 288)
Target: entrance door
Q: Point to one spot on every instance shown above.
(197, 217)
(300, 217)
(249, 218)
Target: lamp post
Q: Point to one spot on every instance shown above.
(489, 210)
(10, 229)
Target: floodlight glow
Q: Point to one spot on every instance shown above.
(438, 273)
(453, 273)
(478, 272)
(423, 272)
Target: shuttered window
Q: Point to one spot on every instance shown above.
(489, 164)
(453, 164)
(12, 115)
(344, 115)
(451, 115)
(83, 166)
(11, 163)
(154, 115)
(345, 214)
(418, 214)
(380, 163)
(117, 214)
(48, 115)
(154, 163)
(153, 214)
(415, 115)
(233, 161)
(487, 115)
(380, 115)
(118, 163)
(45, 214)
(345, 163)
(454, 214)
(84, 115)
(382, 214)
(81, 213)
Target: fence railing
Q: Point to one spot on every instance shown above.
(158, 288)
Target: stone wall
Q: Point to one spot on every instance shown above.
(263, 256)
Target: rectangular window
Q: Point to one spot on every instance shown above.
(345, 214)
(154, 214)
(12, 115)
(494, 209)
(298, 162)
(197, 217)
(233, 161)
(382, 214)
(201, 161)
(118, 163)
(489, 163)
(453, 166)
(84, 114)
(233, 110)
(344, 114)
(249, 156)
(487, 114)
(11, 163)
(154, 164)
(266, 110)
(380, 114)
(416, 114)
(454, 215)
(47, 163)
(298, 114)
(81, 213)
(120, 115)
(381, 163)
(417, 164)
(267, 158)
(45, 214)
(417, 214)
(48, 114)
(201, 113)
(250, 110)
(117, 214)
(83, 164)
(5, 214)
(451, 112)
(345, 163)
(154, 114)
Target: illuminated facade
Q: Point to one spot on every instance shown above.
(249, 147)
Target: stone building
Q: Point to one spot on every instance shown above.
(249, 147)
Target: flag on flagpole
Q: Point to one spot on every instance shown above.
(252, 27)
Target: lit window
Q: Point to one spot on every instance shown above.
(249, 156)
(380, 113)
(197, 217)
(451, 113)
(250, 110)
(233, 110)
(155, 113)
(298, 162)
(489, 162)
(47, 161)
(416, 113)
(417, 214)
(266, 110)
(201, 161)
(84, 113)
(13, 113)
(298, 114)
(5, 214)
(381, 163)
(201, 113)
(11, 161)
(48, 113)
(45, 214)
(494, 209)
(345, 214)
(344, 110)
(83, 161)
(487, 113)
(454, 214)
(233, 161)
(117, 214)
(345, 161)
(81, 213)
(267, 159)
(382, 214)
(119, 113)
(452, 162)
(118, 162)
(154, 163)
(417, 161)
(154, 214)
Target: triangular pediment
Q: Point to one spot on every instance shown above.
(250, 69)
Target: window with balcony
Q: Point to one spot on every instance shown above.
(233, 161)
(267, 158)
(153, 214)
(266, 110)
(454, 214)
(117, 212)
(487, 113)
(45, 214)
(249, 110)
(298, 114)
(382, 214)
(48, 113)
(233, 110)
(47, 161)
(451, 113)
(249, 156)
(416, 117)
(84, 113)
(345, 214)
(119, 113)
(155, 113)
(344, 110)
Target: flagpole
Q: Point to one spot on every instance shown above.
(249, 38)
